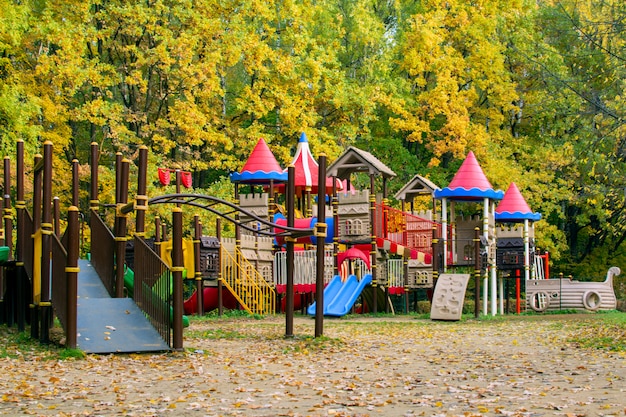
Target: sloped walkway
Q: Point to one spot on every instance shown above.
(111, 325)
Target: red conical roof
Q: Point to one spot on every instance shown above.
(470, 175)
(513, 202)
(261, 159)
(260, 168)
(513, 208)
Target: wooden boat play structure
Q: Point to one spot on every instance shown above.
(565, 294)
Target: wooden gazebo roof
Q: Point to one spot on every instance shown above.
(418, 186)
(358, 160)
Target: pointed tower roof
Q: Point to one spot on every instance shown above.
(469, 183)
(260, 168)
(305, 165)
(513, 207)
(306, 169)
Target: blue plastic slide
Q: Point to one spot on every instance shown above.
(330, 292)
(342, 301)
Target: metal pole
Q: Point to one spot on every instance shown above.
(56, 215)
(141, 200)
(435, 257)
(373, 243)
(37, 185)
(71, 273)
(196, 253)
(75, 183)
(177, 273)
(289, 304)
(157, 235)
(220, 283)
(2, 307)
(8, 213)
(6, 228)
(46, 232)
(20, 206)
(95, 158)
(120, 229)
(477, 262)
(335, 208)
(320, 234)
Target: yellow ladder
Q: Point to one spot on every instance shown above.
(247, 284)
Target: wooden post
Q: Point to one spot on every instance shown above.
(157, 235)
(178, 181)
(8, 214)
(405, 263)
(2, 286)
(20, 248)
(197, 265)
(75, 183)
(46, 233)
(289, 302)
(177, 274)
(6, 229)
(94, 203)
(118, 176)
(435, 250)
(120, 228)
(56, 215)
(220, 278)
(71, 273)
(518, 290)
(320, 234)
(37, 185)
(237, 254)
(141, 200)
(373, 243)
(335, 208)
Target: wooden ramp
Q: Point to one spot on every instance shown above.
(111, 325)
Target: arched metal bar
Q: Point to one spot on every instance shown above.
(207, 202)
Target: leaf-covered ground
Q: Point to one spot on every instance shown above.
(361, 367)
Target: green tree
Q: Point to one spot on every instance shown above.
(569, 64)
(19, 106)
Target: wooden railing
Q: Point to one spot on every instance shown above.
(103, 252)
(406, 229)
(29, 247)
(64, 287)
(152, 283)
(59, 295)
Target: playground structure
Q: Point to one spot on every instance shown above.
(45, 278)
(364, 245)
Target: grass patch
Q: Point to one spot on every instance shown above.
(309, 344)
(606, 332)
(603, 336)
(19, 345)
(226, 314)
(218, 334)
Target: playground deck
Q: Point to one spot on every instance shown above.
(111, 325)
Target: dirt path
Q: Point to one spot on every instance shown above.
(364, 367)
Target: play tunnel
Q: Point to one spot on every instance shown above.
(306, 223)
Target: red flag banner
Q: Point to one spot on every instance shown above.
(164, 176)
(185, 178)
